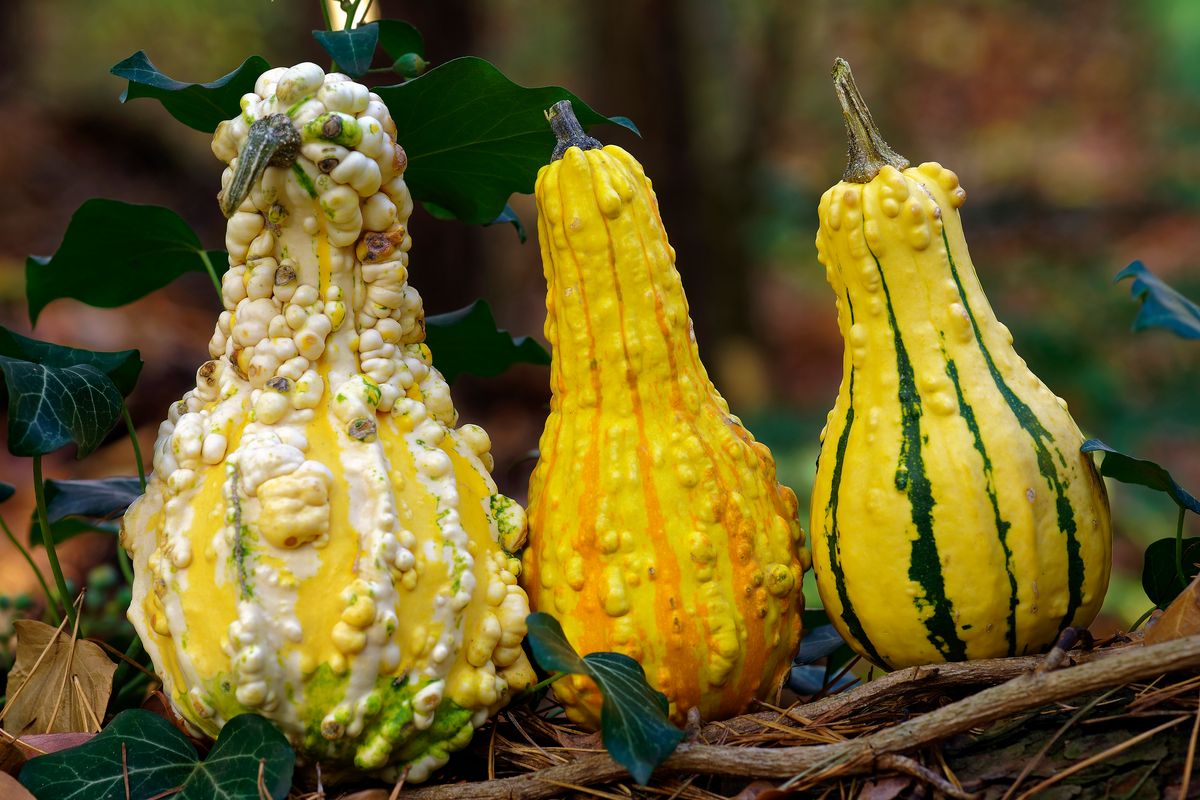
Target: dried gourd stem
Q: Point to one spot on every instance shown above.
(271, 142)
(568, 131)
(860, 756)
(868, 152)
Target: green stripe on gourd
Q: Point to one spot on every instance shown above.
(935, 537)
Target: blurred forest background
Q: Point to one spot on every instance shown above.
(1074, 126)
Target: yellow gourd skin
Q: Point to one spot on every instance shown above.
(657, 528)
(321, 542)
(953, 515)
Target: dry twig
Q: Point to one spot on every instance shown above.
(863, 755)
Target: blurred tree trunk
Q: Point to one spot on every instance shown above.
(449, 263)
(658, 61)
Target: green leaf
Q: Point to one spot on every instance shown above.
(61, 394)
(1160, 578)
(7, 490)
(467, 341)
(103, 498)
(114, 253)
(633, 719)
(398, 38)
(473, 137)
(510, 216)
(121, 366)
(1162, 306)
(158, 758)
(69, 528)
(1140, 472)
(201, 106)
(351, 50)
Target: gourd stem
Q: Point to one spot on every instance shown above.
(868, 152)
(271, 142)
(567, 129)
(39, 493)
(24, 551)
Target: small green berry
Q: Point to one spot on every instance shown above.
(410, 65)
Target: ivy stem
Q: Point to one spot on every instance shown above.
(39, 492)
(1137, 623)
(351, 14)
(1179, 547)
(868, 153)
(131, 654)
(24, 551)
(212, 273)
(325, 13)
(133, 440)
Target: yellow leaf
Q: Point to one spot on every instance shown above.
(58, 684)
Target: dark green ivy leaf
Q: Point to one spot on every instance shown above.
(201, 106)
(75, 507)
(510, 216)
(103, 498)
(158, 759)
(467, 341)
(121, 366)
(633, 719)
(398, 38)
(7, 490)
(61, 394)
(69, 528)
(1162, 306)
(1140, 472)
(473, 137)
(351, 50)
(1160, 577)
(114, 253)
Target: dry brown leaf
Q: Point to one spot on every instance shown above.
(56, 685)
(884, 788)
(763, 790)
(15, 752)
(1182, 617)
(11, 789)
(366, 794)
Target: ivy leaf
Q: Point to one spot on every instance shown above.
(114, 253)
(633, 719)
(510, 216)
(121, 366)
(69, 528)
(1160, 578)
(819, 642)
(352, 50)
(104, 498)
(1140, 472)
(473, 137)
(83, 506)
(201, 106)
(7, 490)
(61, 394)
(1162, 306)
(158, 759)
(467, 341)
(398, 38)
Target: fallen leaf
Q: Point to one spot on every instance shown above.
(11, 788)
(884, 788)
(15, 752)
(56, 685)
(761, 790)
(367, 794)
(1182, 617)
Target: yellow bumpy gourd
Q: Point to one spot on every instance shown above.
(953, 516)
(657, 528)
(319, 542)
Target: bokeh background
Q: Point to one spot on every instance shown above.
(1074, 126)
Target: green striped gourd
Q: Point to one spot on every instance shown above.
(953, 515)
